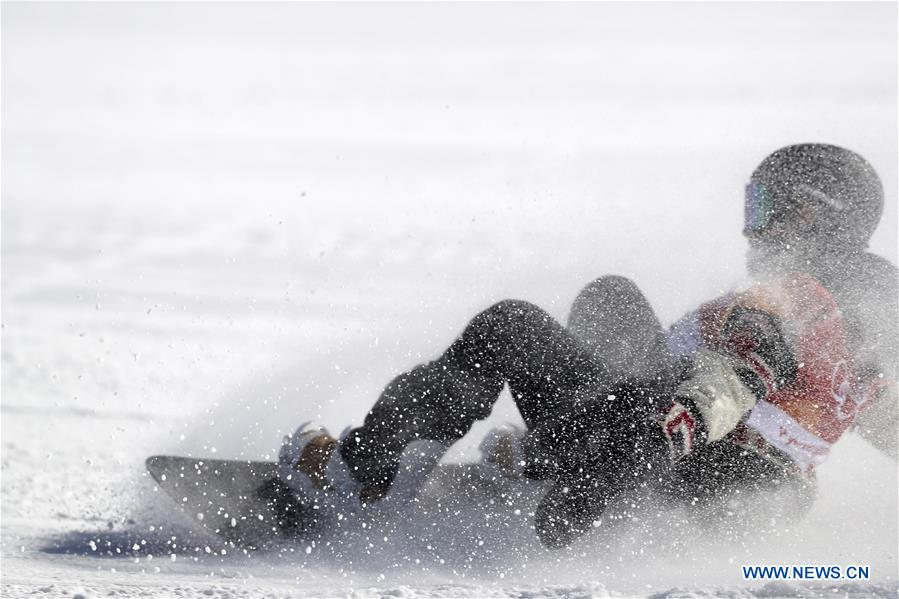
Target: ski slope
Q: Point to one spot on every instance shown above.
(220, 220)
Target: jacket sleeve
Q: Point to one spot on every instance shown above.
(872, 307)
(879, 422)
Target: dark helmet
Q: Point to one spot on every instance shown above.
(814, 193)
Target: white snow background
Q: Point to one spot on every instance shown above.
(220, 220)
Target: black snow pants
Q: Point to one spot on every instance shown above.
(563, 380)
(588, 393)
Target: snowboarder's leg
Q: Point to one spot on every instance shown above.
(605, 448)
(512, 342)
(613, 318)
(611, 445)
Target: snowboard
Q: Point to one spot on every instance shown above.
(239, 500)
(245, 503)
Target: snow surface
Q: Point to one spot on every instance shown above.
(219, 220)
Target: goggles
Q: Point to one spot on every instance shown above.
(758, 208)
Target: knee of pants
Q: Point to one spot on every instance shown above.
(495, 332)
(508, 315)
(608, 290)
(612, 309)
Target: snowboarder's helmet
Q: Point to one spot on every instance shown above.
(814, 193)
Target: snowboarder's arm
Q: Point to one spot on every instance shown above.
(748, 360)
(873, 303)
(879, 422)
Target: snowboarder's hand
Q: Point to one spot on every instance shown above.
(683, 428)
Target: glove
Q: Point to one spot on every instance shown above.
(683, 428)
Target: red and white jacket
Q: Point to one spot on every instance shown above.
(772, 367)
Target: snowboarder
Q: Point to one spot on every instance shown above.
(750, 390)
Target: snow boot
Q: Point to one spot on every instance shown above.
(312, 465)
(502, 452)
